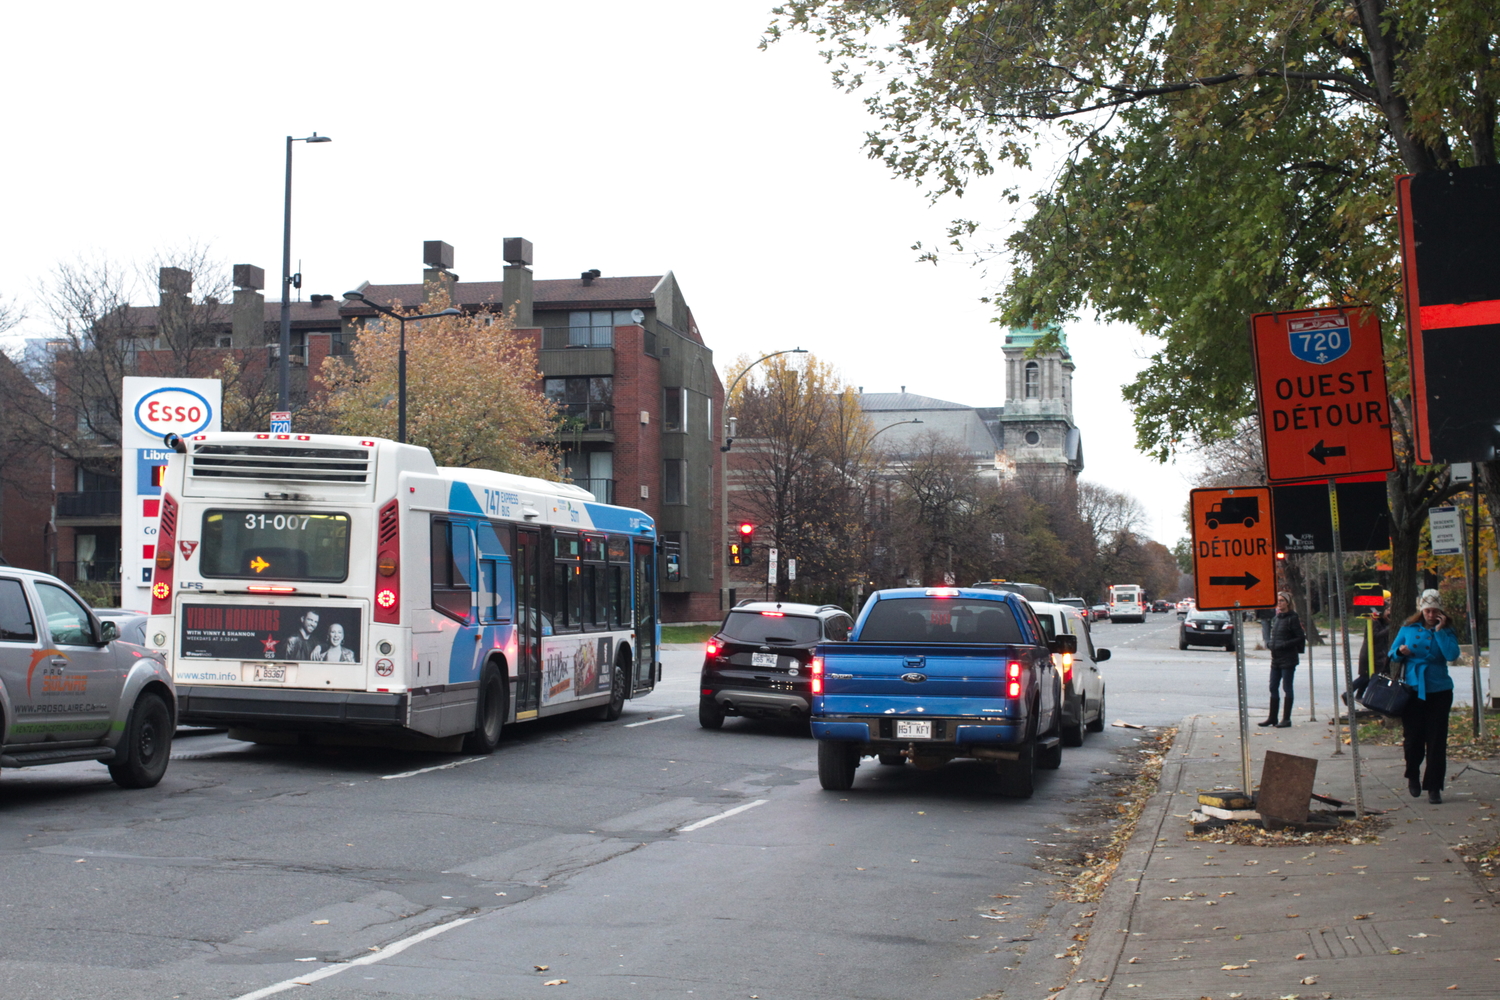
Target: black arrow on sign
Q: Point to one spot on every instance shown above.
(1321, 451)
(1247, 581)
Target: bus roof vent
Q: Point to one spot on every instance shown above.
(270, 463)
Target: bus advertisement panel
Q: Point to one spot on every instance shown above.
(334, 585)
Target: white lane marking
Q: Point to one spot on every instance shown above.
(723, 815)
(664, 718)
(424, 770)
(333, 970)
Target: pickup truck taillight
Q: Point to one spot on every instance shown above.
(817, 675)
(1012, 679)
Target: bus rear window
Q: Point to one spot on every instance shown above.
(275, 545)
(936, 619)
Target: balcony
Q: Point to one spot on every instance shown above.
(558, 338)
(603, 489)
(578, 418)
(92, 503)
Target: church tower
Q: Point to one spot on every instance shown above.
(1036, 428)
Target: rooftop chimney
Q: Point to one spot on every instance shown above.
(247, 316)
(515, 291)
(438, 256)
(589, 275)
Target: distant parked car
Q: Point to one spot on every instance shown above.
(1206, 628)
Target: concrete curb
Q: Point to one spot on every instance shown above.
(1110, 932)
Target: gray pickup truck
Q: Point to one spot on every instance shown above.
(934, 674)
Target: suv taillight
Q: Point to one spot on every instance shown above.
(1067, 661)
(1013, 679)
(817, 675)
(713, 647)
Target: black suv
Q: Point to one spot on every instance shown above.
(757, 664)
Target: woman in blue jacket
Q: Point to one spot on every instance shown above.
(1423, 647)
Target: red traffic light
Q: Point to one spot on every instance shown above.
(746, 529)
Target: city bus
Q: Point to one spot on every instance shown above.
(322, 588)
(1127, 603)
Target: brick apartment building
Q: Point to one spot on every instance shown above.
(623, 358)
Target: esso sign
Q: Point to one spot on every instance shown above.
(173, 411)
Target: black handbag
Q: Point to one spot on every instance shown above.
(1389, 697)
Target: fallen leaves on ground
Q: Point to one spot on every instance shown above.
(1349, 831)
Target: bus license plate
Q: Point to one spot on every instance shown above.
(270, 672)
(913, 730)
(763, 659)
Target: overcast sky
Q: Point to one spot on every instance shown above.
(631, 137)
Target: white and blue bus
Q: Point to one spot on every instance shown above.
(1127, 603)
(313, 587)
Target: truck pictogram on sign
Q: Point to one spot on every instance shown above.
(1234, 551)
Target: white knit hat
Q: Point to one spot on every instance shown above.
(1429, 599)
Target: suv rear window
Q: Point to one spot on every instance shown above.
(937, 619)
(771, 629)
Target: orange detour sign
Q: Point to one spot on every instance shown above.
(1234, 560)
(1320, 384)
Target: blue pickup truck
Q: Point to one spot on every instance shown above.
(933, 674)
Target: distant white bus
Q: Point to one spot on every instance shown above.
(349, 587)
(1127, 603)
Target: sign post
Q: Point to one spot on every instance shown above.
(1234, 568)
(1447, 531)
(149, 409)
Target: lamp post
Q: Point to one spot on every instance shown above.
(401, 352)
(729, 428)
(887, 427)
(284, 366)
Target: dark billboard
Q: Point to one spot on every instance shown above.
(284, 633)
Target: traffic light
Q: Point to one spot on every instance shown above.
(739, 550)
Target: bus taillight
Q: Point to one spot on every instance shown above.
(387, 579)
(166, 541)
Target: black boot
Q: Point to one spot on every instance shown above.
(1286, 714)
(1271, 716)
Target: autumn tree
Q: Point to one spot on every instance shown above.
(473, 391)
(801, 453)
(1217, 160)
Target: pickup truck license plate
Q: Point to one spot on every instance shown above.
(270, 672)
(763, 659)
(913, 730)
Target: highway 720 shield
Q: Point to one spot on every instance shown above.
(1234, 556)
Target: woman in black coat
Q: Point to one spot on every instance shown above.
(1286, 644)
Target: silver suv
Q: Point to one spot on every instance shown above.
(71, 690)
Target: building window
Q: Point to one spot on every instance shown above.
(674, 409)
(674, 481)
(1032, 437)
(586, 402)
(674, 556)
(341, 342)
(1033, 379)
(596, 327)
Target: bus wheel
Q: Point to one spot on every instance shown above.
(610, 711)
(146, 750)
(489, 713)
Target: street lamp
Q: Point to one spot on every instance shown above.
(401, 353)
(284, 367)
(729, 428)
(887, 427)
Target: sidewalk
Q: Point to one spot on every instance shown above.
(1404, 918)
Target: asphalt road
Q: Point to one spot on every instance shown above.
(641, 858)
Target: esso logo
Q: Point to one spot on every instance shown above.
(173, 411)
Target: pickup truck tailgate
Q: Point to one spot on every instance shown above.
(916, 679)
